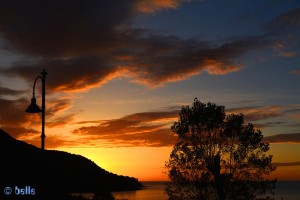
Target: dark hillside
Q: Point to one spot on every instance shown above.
(50, 172)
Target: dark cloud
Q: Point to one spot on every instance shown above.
(7, 91)
(169, 58)
(68, 28)
(83, 44)
(151, 61)
(55, 105)
(67, 74)
(270, 116)
(153, 128)
(56, 28)
(140, 129)
(258, 113)
(13, 118)
(295, 72)
(12, 109)
(286, 164)
(283, 22)
(18, 123)
(269, 124)
(88, 122)
(60, 121)
(283, 138)
(55, 116)
(296, 125)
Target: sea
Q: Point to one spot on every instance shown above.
(154, 190)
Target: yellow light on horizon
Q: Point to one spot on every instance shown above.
(143, 163)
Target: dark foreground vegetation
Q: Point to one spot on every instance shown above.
(54, 174)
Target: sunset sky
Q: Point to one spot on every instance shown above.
(119, 72)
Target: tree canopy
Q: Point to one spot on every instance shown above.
(217, 156)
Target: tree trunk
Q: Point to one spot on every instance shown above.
(217, 177)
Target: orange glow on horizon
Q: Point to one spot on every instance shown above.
(147, 163)
(143, 163)
(287, 173)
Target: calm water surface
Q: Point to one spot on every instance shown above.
(286, 190)
(152, 191)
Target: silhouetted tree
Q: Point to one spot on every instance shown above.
(217, 156)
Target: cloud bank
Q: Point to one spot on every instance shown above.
(139, 129)
(84, 44)
(15, 121)
(286, 164)
(283, 138)
(153, 128)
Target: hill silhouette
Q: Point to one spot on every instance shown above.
(52, 172)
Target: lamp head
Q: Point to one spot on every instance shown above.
(33, 108)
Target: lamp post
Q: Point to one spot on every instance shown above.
(34, 108)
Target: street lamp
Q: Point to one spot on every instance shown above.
(34, 108)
